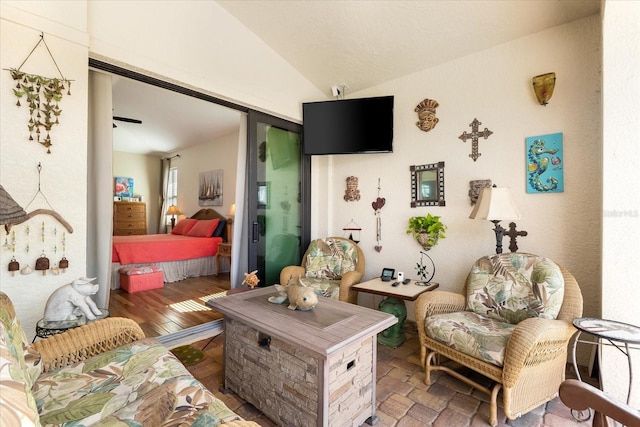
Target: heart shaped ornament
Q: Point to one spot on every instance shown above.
(378, 204)
(378, 248)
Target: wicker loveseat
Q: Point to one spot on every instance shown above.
(331, 266)
(511, 323)
(103, 373)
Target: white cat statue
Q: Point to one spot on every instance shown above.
(68, 302)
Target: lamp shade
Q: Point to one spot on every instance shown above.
(173, 210)
(495, 204)
(232, 209)
(10, 211)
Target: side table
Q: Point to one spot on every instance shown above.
(394, 303)
(224, 250)
(46, 329)
(607, 333)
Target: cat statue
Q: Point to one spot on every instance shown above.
(300, 296)
(70, 301)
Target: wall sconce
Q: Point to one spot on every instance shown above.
(495, 204)
(543, 87)
(173, 211)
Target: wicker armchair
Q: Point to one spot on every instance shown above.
(348, 278)
(534, 356)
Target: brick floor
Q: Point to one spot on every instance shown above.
(403, 399)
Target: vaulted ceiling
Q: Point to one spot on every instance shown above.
(359, 44)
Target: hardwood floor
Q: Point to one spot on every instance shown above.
(174, 307)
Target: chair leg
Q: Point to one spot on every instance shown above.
(427, 367)
(493, 406)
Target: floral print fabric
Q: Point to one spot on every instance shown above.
(472, 334)
(330, 258)
(515, 286)
(323, 287)
(17, 405)
(138, 384)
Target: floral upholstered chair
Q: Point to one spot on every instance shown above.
(331, 266)
(511, 323)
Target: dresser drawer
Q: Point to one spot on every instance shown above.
(129, 231)
(130, 216)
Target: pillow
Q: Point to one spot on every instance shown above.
(515, 286)
(204, 228)
(219, 232)
(183, 226)
(330, 259)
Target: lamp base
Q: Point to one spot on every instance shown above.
(173, 222)
(499, 230)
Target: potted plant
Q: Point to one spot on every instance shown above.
(426, 230)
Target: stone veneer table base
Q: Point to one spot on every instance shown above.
(302, 368)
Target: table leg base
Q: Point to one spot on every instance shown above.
(393, 336)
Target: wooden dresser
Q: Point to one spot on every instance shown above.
(129, 218)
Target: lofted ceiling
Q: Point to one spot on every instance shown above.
(358, 44)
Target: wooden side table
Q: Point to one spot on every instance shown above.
(224, 250)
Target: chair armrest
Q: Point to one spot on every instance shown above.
(581, 396)
(435, 302)
(535, 341)
(81, 343)
(349, 279)
(291, 271)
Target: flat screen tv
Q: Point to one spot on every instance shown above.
(348, 126)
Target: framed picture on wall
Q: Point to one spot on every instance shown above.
(544, 163)
(210, 188)
(123, 187)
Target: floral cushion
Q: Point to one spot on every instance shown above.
(19, 368)
(330, 258)
(138, 384)
(323, 287)
(515, 286)
(471, 333)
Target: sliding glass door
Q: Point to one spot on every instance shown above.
(278, 192)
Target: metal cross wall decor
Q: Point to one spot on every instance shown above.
(474, 138)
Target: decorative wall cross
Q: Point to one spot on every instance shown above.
(474, 138)
(513, 234)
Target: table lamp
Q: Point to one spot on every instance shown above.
(173, 211)
(496, 204)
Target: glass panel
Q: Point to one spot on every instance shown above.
(279, 208)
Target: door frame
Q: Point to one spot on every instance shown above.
(253, 118)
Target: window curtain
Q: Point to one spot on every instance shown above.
(100, 184)
(240, 249)
(164, 189)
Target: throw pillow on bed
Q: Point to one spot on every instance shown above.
(184, 225)
(204, 228)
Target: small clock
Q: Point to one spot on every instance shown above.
(387, 274)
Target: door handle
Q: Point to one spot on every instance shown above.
(255, 232)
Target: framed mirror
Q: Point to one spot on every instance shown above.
(427, 185)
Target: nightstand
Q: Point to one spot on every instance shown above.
(224, 250)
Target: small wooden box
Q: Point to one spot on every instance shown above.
(137, 279)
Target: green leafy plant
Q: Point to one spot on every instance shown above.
(427, 230)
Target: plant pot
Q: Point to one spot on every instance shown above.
(423, 240)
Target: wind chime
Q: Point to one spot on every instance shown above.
(377, 205)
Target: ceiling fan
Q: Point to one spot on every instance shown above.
(126, 119)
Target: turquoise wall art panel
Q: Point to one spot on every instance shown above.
(545, 163)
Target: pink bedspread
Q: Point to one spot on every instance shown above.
(162, 247)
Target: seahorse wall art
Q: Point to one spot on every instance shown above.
(545, 163)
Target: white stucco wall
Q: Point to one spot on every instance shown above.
(212, 52)
(621, 201)
(64, 171)
(145, 171)
(493, 86)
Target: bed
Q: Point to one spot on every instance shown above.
(189, 251)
